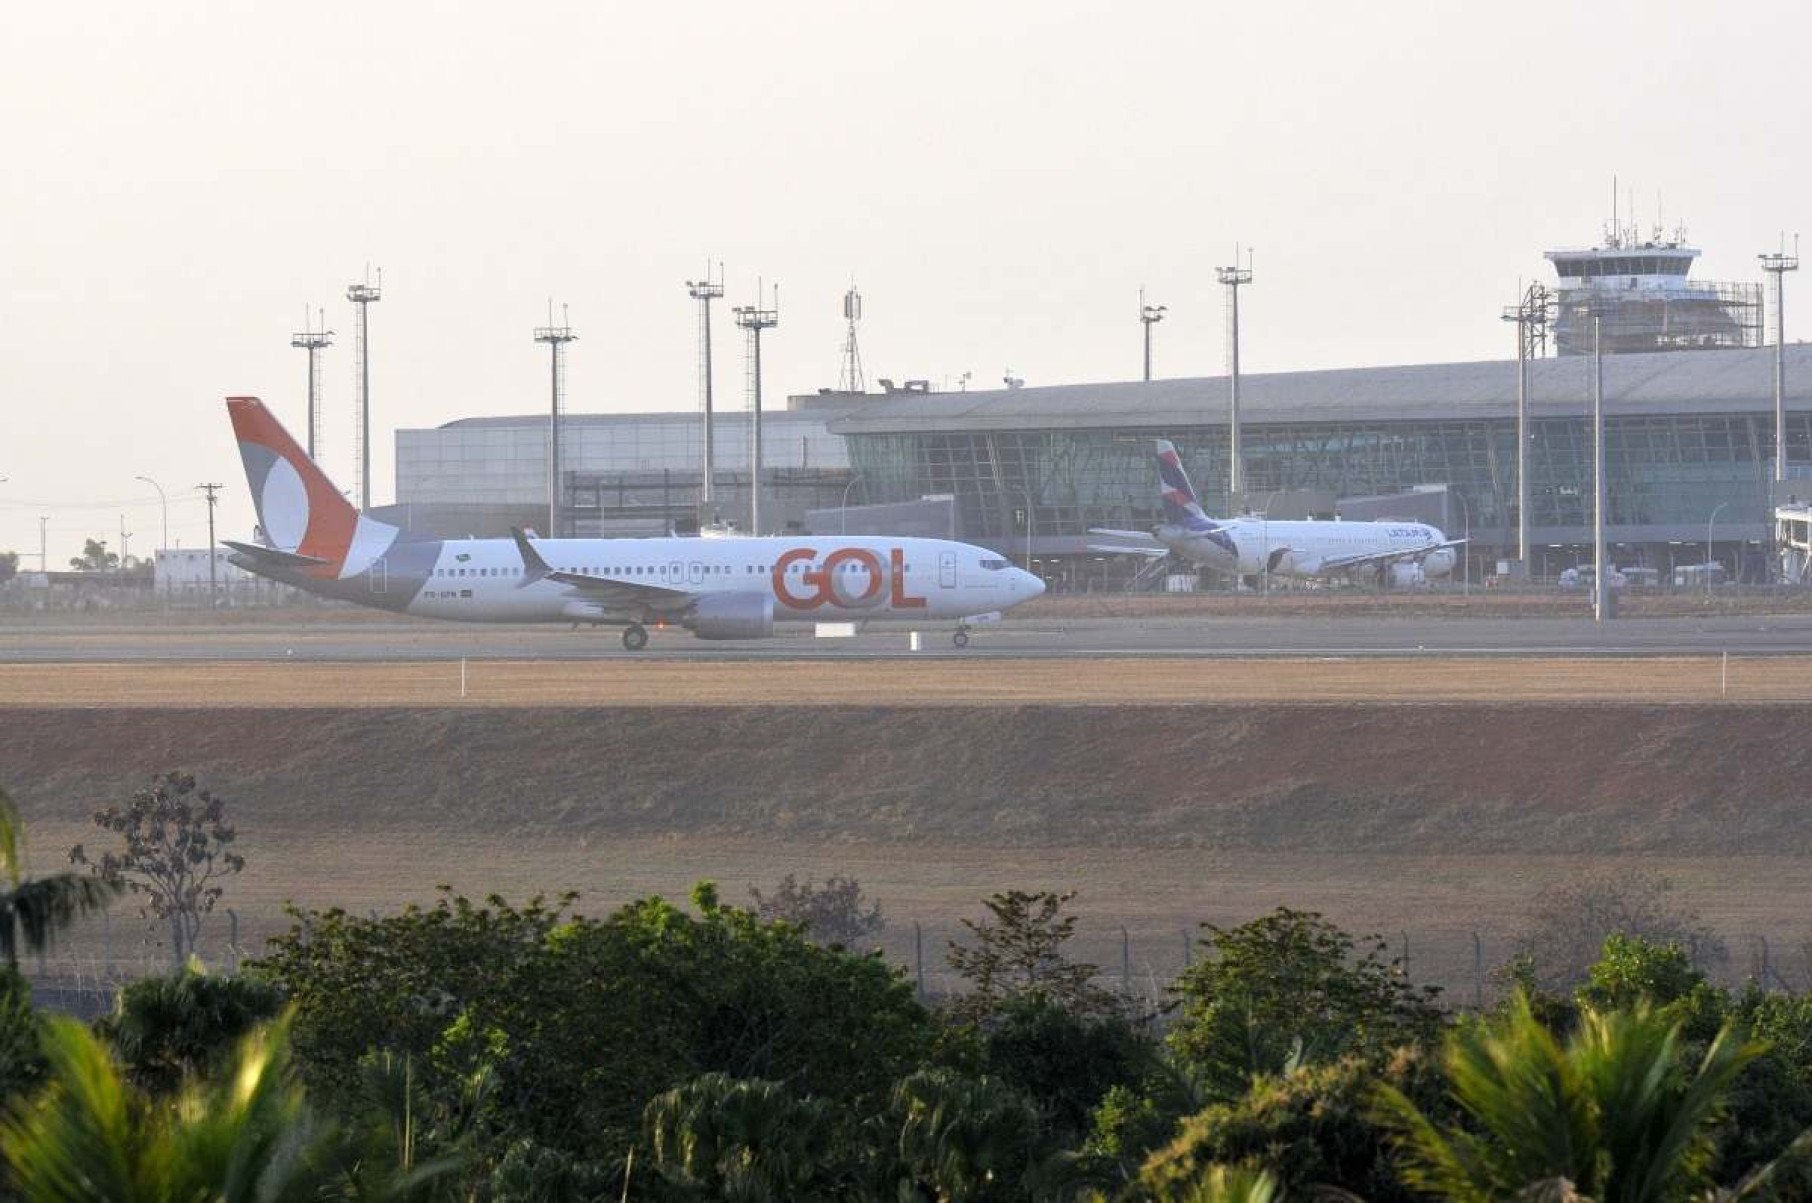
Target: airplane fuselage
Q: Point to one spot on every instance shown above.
(1248, 546)
(807, 579)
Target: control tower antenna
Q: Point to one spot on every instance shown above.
(1234, 278)
(704, 292)
(363, 295)
(1778, 265)
(1149, 316)
(755, 319)
(556, 338)
(312, 340)
(850, 381)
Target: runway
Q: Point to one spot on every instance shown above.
(1068, 638)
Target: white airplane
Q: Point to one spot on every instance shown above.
(1409, 552)
(731, 588)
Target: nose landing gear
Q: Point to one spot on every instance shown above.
(635, 637)
(961, 638)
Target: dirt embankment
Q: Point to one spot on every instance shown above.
(1484, 778)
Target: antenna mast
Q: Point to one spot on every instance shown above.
(850, 381)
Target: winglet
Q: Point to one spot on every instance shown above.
(535, 568)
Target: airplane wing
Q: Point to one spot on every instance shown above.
(1337, 563)
(1135, 543)
(604, 589)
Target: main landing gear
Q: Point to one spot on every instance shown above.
(635, 637)
(961, 638)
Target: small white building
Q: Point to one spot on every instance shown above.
(182, 573)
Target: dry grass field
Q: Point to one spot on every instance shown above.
(942, 682)
(1425, 799)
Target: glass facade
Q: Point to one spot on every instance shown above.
(1663, 471)
(504, 461)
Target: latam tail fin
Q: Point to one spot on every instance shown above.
(299, 510)
(1180, 505)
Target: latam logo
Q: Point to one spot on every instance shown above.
(850, 578)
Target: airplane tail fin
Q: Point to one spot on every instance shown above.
(299, 510)
(1180, 505)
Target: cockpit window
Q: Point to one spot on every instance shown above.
(994, 565)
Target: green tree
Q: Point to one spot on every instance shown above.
(95, 557)
(1616, 1113)
(178, 850)
(90, 1135)
(1290, 989)
(1225, 1184)
(184, 1024)
(33, 910)
(1018, 951)
(397, 1143)
(587, 1020)
(717, 1137)
(1566, 926)
(1313, 1128)
(966, 1140)
(9, 566)
(1632, 971)
(1063, 1062)
(21, 1059)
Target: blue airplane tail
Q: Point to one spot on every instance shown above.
(1180, 505)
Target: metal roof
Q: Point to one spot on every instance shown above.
(571, 420)
(1671, 382)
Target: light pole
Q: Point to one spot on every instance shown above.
(164, 501)
(845, 506)
(1708, 525)
(1465, 547)
(1026, 492)
(1149, 316)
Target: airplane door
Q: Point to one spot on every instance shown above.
(379, 576)
(946, 570)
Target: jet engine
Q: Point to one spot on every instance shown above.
(1439, 562)
(731, 616)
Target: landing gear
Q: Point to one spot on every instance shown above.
(961, 638)
(635, 637)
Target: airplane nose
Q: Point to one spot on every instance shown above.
(1029, 583)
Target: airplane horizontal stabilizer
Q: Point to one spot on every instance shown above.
(271, 557)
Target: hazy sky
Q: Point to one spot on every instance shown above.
(181, 179)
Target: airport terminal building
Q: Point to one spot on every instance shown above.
(1689, 450)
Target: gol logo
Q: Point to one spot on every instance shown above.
(828, 584)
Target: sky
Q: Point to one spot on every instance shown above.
(184, 181)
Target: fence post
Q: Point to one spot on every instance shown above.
(107, 941)
(1125, 964)
(1478, 973)
(1405, 956)
(918, 957)
(233, 940)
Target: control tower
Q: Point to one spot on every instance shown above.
(1639, 289)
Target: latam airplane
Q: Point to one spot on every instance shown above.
(732, 588)
(1408, 552)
